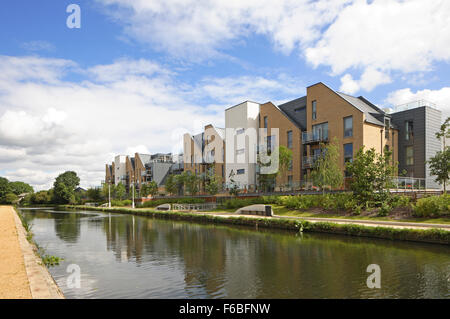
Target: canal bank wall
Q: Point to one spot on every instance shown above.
(28, 273)
(432, 235)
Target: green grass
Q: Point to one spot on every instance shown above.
(298, 225)
(283, 211)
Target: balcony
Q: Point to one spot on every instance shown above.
(309, 161)
(314, 137)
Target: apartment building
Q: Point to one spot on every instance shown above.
(143, 168)
(204, 153)
(241, 140)
(418, 123)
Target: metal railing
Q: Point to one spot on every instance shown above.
(314, 137)
(408, 183)
(200, 207)
(413, 105)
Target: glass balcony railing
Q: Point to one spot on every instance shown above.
(315, 137)
(309, 161)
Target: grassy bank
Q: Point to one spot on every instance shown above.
(419, 235)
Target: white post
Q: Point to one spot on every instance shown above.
(132, 194)
(109, 194)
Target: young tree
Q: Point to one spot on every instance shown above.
(440, 163)
(371, 175)
(171, 185)
(326, 170)
(234, 189)
(119, 191)
(150, 188)
(192, 183)
(212, 184)
(94, 194)
(64, 187)
(284, 161)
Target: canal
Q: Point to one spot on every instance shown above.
(124, 256)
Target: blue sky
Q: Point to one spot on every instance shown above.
(138, 74)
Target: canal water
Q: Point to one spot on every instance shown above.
(124, 256)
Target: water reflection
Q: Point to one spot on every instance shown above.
(138, 257)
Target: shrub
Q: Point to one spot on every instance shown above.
(397, 201)
(385, 209)
(432, 206)
(126, 202)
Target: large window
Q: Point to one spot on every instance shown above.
(409, 155)
(289, 139)
(348, 126)
(387, 127)
(320, 131)
(265, 121)
(270, 143)
(240, 171)
(314, 110)
(348, 155)
(408, 130)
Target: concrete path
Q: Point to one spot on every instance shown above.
(19, 264)
(373, 223)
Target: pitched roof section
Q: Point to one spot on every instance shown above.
(145, 158)
(295, 110)
(370, 110)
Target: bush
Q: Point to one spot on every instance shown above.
(432, 206)
(126, 202)
(385, 209)
(186, 200)
(397, 201)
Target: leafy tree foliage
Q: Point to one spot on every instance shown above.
(119, 192)
(95, 194)
(213, 184)
(64, 187)
(150, 188)
(440, 163)
(371, 176)
(171, 184)
(326, 170)
(20, 188)
(284, 161)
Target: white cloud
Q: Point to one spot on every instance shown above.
(199, 29)
(384, 35)
(440, 97)
(38, 45)
(377, 39)
(50, 126)
(368, 81)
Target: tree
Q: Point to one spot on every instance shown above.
(213, 184)
(371, 175)
(284, 161)
(119, 191)
(171, 184)
(440, 167)
(10, 198)
(440, 162)
(4, 188)
(234, 189)
(149, 188)
(64, 187)
(20, 188)
(191, 183)
(94, 194)
(326, 170)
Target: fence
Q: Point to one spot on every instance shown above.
(206, 206)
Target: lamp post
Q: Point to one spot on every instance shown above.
(109, 193)
(132, 193)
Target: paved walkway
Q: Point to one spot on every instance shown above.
(373, 223)
(22, 274)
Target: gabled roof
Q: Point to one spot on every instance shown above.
(370, 110)
(289, 110)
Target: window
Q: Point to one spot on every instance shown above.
(240, 171)
(314, 110)
(241, 151)
(320, 131)
(348, 126)
(387, 126)
(409, 130)
(290, 180)
(289, 139)
(290, 166)
(240, 131)
(265, 121)
(223, 171)
(270, 143)
(348, 155)
(409, 155)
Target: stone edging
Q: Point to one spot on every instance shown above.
(42, 284)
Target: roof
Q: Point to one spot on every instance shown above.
(145, 158)
(370, 110)
(289, 110)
